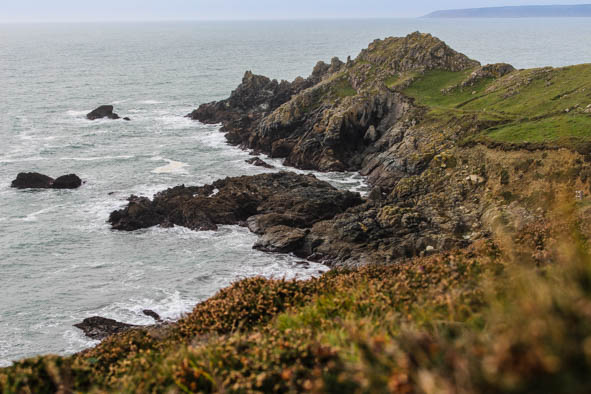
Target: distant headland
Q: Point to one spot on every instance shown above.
(533, 11)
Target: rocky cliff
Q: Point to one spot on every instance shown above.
(449, 145)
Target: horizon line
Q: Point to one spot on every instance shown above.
(303, 19)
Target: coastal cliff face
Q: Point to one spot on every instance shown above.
(448, 145)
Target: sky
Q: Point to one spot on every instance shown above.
(145, 10)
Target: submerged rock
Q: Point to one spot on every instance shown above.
(255, 161)
(34, 180)
(99, 328)
(104, 111)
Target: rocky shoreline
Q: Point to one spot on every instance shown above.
(432, 190)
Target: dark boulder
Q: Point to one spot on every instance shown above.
(104, 111)
(255, 161)
(99, 328)
(281, 239)
(152, 314)
(70, 181)
(32, 180)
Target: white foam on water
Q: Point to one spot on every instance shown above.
(150, 102)
(24, 159)
(179, 232)
(32, 217)
(77, 114)
(171, 307)
(148, 190)
(175, 122)
(97, 158)
(173, 167)
(77, 341)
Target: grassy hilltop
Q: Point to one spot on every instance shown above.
(502, 304)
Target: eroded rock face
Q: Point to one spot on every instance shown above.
(334, 119)
(99, 328)
(34, 180)
(282, 239)
(104, 111)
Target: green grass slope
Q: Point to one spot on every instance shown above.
(546, 107)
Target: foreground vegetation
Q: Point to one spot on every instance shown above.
(511, 316)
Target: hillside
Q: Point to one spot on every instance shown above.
(533, 11)
(465, 270)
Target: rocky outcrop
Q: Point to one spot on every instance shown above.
(356, 116)
(255, 161)
(152, 314)
(334, 119)
(104, 111)
(282, 239)
(70, 181)
(34, 180)
(490, 71)
(99, 328)
(234, 201)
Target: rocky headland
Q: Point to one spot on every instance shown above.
(465, 269)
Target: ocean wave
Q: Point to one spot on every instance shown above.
(150, 102)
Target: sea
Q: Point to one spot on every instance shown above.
(59, 260)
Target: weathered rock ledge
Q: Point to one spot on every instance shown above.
(279, 205)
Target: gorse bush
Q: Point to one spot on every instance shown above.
(471, 321)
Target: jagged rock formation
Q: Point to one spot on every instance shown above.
(330, 120)
(99, 328)
(104, 111)
(277, 204)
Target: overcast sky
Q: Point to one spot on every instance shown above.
(118, 10)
